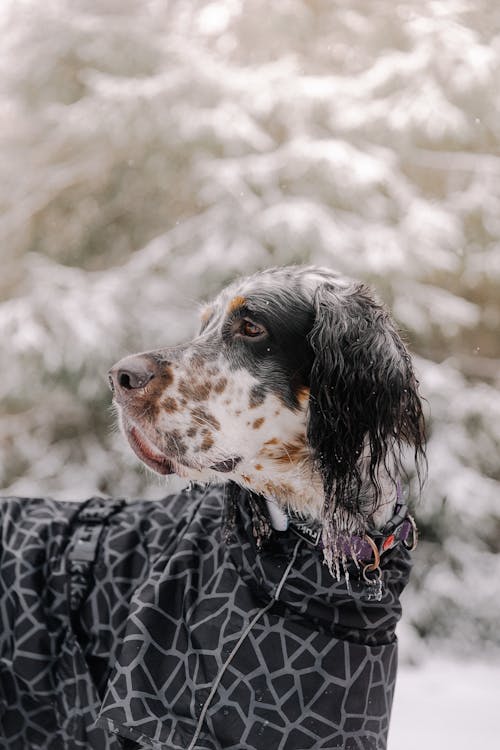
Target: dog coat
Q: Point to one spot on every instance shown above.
(142, 626)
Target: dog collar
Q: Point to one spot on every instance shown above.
(400, 529)
(365, 551)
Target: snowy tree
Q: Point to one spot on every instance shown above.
(152, 151)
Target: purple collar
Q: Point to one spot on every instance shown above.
(397, 530)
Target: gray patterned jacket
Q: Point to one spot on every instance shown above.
(175, 638)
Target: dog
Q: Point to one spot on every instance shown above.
(208, 620)
(299, 397)
(298, 387)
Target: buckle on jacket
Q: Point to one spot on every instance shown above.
(99, 509)
(85, 541)
(91, 519)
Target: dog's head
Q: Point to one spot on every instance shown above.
(298, 386)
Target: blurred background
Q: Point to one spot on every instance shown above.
(152, 151)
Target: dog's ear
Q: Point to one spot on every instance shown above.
(364, 406)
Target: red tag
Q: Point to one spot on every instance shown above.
(388, 542)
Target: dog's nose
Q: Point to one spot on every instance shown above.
(132, 373)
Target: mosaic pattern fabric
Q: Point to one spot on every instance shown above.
(53, 671)
(186, 641)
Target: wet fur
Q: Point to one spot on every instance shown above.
(364, 405)
(318, 413)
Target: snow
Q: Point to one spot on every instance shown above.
(153, 151)
(446, 705)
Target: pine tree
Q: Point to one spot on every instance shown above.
(154, 151)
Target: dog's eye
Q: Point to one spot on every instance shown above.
(251, 330)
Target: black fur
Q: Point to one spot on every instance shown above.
(363, 400)
(323, 332)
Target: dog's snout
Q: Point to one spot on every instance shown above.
(132, 373)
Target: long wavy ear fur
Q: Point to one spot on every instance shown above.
(364, 406)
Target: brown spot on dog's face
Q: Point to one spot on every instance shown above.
(236, 303)
(173, 444)
(246, 478)
(166, 376)
(208, 441)
(169, 404)
(198, 361)
(149, 410)
(204, 418)
(196, 390)
(220, 385)
(257, 396)
(258, 423)
(302, 394)
(273, 441)
(258, 467)
(291, 452)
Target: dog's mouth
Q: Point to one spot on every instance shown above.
(150, 455)
(147, 452)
